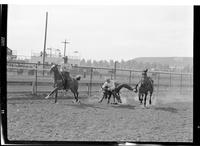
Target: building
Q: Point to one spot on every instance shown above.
(53, 59)
(10, 55)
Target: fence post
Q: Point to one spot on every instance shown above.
(190, 87)
(158, 84)
(91, 73)
(36, 79)
(88, 85)
(130, 78)
(181, 84)
(170, 83)
(33, 87)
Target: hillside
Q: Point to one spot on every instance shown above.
(172, 61)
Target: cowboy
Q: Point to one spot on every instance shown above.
(65, 72)
(110, 84)
(107, 87)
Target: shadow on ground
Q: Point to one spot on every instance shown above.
(124, 106)
(167, 109)
(83, 105)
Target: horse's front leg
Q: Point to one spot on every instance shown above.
(145, 98)
(56, 95)
(55, 89)
(102, 97)
(140, 97)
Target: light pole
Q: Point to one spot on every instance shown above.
(45, 38)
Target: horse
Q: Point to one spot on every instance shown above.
(59, 83)
(145, 87)
(115, 92)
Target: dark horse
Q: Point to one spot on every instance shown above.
(59, 83)
(145, 86)
(116, 92)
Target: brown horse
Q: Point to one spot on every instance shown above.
(59, 83)
(144, 87)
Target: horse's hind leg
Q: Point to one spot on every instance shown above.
(113, 99)
(150, 98)
(56, 96)
(77, 97)
(117, 96)
(109, 98)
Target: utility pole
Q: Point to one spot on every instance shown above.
(65, 42)
(45, 38)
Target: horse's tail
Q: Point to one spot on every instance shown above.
(78, 77)
(118, 88)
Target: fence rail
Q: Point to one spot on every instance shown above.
(36, 78)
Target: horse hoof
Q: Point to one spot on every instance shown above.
(46, 97)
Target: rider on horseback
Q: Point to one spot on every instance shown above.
(65, 72)
(143, 80)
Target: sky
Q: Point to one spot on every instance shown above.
(103, 32)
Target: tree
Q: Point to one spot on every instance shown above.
(111, 63)
(89, 63)
(83, 62)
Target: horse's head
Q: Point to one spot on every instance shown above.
(53, 68)
(144, 74)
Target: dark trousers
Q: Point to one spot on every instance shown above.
(66, 78)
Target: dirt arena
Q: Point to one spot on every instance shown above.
(169, 119)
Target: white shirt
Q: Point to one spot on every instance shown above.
(110, 85)
(66, 67)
